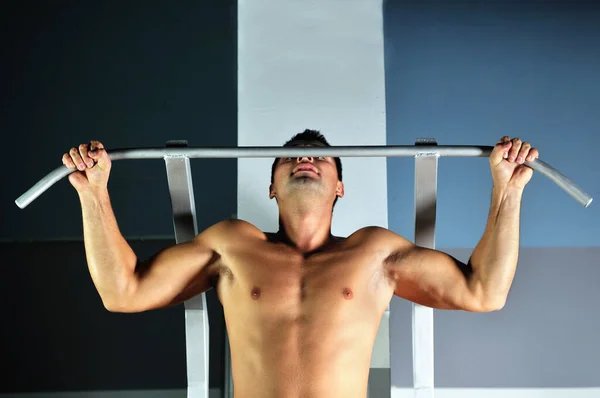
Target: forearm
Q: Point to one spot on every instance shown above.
(495, 257)
(111, 261)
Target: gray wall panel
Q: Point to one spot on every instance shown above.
(546, 336)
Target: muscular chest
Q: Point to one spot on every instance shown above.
(275, 279)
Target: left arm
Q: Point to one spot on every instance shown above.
(495, 257)
(436, 279)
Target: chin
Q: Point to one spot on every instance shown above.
(305, 187)
(308, 180)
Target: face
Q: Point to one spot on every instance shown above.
(306, 176)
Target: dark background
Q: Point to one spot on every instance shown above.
(130, 74)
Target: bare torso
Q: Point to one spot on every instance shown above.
(301, 326)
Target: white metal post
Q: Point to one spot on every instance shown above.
(179, 177)
(426, 167)
(380, 382)
(228, 387)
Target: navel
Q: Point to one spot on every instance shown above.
(347, 293)
(255, 293)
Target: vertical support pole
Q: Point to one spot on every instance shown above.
(426, 170)
(380, 380)
(179, 177)
(228, 387)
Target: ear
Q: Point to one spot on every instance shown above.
(271, 192)
(339, 191)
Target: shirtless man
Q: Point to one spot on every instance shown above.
(302, 307)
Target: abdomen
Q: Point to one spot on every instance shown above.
(326, 354)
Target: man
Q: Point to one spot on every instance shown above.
(302, 307)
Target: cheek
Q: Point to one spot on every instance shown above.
(280, 173)
(331, 180)
(330, 172)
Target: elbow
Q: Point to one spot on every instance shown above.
(114, 305)
(490, 305)
(117, 303)
(483, 303)
(119, 298)
(120, 307)
(493, 307)
(484, 300)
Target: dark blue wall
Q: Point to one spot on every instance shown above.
(130, 74)
(470, 72)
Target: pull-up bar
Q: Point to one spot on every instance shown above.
(334, 151)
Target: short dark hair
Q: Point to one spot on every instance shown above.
(308, 136)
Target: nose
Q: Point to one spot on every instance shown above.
(308, 158)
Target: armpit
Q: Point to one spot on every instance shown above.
(220, 271)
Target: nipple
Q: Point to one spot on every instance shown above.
(255, 293)
(347, 293)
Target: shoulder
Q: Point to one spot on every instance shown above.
(381, 240)
(232, 225)
(227, 230)
(239, 226)
(378, 234)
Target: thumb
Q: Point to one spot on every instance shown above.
(500, 151)
(98, 154)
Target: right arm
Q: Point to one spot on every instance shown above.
(123, 282)
(127, 285)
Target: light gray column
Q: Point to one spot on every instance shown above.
(315, 64)
(426, 167)
(179, 177)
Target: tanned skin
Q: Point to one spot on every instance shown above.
(302, 307)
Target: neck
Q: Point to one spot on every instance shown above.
(306, 230)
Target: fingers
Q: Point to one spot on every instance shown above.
(67, 161)
(531, 155)
(83, 151)
(522, 152)
(74, 160)
(515, 150)
(84, 156)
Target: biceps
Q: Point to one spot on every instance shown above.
(171, 276)
(434, 279)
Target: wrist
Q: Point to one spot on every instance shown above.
(507, 191)
(93, 194)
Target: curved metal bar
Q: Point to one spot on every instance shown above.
(335, 151)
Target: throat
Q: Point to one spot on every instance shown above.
(306, 230)
(307, 245)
